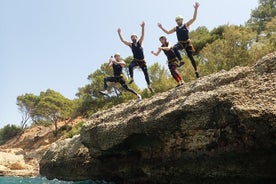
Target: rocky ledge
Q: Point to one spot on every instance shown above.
(15, 162)
(218, 128)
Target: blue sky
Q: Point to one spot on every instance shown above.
(56, 44)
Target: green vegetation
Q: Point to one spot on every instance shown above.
(74, 131)
(49, 106)
(8, 132)
(222, 48)
(260, 17)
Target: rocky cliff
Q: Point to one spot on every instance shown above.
(20, 155)
(218, 128)
(15, 162)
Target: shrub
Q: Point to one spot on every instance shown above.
(75, 130)
(8, 132)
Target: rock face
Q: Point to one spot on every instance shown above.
(20, 155)
(218, 128)
(14, 162)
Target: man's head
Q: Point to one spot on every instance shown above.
(179, 20)
(163, 40)
(134, 38)
(117, 56)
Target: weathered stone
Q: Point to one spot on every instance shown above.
(13, 162)
(217, 127)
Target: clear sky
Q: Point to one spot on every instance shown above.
(56, 44)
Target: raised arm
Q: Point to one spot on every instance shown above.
(121, 37)
(196, 5)
(169, 47)
(143, 33)
(166, 31)
(111, 61)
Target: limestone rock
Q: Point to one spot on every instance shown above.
(219, 126)
(13, 162)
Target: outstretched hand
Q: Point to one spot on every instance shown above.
(143, 24)
(159, 25)
(196, 5)
(119, 30)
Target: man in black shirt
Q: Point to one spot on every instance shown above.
(117, 66)
(184, 42)
(138, 54)
(167, 48)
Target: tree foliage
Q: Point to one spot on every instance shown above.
(53, 107)
(8, 132)
(49, 106)
(27, 105)
(231, 50)
(202, 36)
(160, 77)
(262, 15)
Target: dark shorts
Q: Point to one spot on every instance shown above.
(138, 62)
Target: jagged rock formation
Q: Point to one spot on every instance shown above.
(218, 127)
(20, 156)
(14, 162)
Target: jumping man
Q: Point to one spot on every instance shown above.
(117, 65)
(172, 60)
(184, 42)
(138, 54)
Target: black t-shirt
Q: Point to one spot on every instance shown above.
(169, 53)
(182, 33)
(137, 51)
(117, 69)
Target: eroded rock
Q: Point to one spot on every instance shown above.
(220, 126)
(14, 162)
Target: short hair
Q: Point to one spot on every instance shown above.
(162, 37)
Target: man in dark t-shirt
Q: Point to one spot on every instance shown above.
(117, 66)
(167, 48)
(184, 42)
(138, 55)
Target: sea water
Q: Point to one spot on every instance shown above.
(39, 180)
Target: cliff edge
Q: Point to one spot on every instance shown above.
(216, 128)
